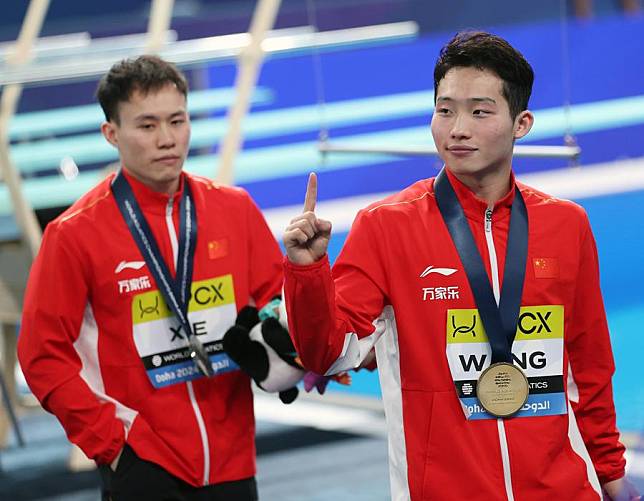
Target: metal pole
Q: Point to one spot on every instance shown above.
(25, 216)
(250, 61)
(12, 414)
(158, 25)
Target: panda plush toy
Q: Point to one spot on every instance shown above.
(260, 344)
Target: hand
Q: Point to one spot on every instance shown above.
(313, 380)
(620, 490)
(306, 239)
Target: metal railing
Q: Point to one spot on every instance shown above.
(93, 60)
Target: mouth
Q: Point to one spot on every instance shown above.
(461, 150)
(168, 159)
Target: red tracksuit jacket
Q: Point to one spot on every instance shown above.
(102, 352)
(399, 281)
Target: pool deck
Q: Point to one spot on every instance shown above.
(333, 448)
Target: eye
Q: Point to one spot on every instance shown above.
(146, 126)
(443, 111)
(178, 121)
(481, 112)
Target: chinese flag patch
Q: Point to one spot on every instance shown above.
(546, 267)
(218, 248)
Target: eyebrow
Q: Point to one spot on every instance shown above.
(151, 116)
(472, 99)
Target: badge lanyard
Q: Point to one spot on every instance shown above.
(500, 322)
(176, 292)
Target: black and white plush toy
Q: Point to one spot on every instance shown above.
(264, 350)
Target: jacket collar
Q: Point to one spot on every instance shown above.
(152, 201)
(475, 207)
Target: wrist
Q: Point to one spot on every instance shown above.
(313, 265)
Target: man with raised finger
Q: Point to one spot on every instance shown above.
(488, 323)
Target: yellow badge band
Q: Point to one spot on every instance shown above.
(205, 294)
(535, 322)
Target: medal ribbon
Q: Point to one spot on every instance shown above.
(500, 321)
(176, 292)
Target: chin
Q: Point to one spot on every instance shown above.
(165, 178)
(170, 174)
(465, 169)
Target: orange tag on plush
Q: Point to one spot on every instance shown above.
(342, 378)
(546, 267)
(218, 248)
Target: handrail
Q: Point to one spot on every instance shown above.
(51, 45)
(194, 52)
(520, 150)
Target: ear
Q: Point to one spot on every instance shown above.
(523, 123)
(110, 133)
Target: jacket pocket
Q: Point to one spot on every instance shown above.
(127, 459)
(462, 459)
(418, 415)
(435, 452)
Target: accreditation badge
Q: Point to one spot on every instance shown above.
(487, 390)
(162, 343)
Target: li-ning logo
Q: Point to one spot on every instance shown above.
(441, 271)
(124, 265)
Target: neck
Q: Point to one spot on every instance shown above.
(490, 187)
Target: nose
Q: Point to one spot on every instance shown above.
(165, 137)
(460, 127)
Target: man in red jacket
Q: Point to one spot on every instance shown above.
(128, 300)
(481, 297)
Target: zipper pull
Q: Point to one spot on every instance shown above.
(488, 220)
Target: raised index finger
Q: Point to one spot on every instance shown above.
(311, 193)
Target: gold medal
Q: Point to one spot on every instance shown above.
(502, 389)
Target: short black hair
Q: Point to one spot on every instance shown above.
(486, 51)
(142, 74)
